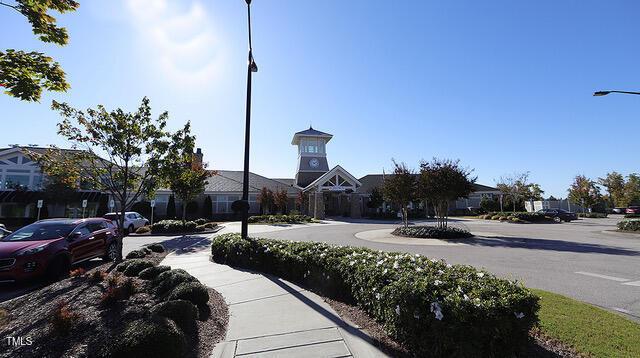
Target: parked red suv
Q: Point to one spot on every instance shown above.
(50, 247)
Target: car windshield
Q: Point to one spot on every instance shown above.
(41, 231)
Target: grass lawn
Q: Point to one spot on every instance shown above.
(589, 329)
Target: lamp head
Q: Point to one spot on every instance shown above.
(248, 2)
(601, 93)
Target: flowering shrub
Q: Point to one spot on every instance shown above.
(629, 225)
(173, 227)
(76, 273)
(63, 319)
(273, 219)
(434, 308)
(521, 216)
(432, 232)
(592, 215)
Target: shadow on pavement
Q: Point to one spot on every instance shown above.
(186, 244)
(547, 244)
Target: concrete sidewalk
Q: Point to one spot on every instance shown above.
(270, 317)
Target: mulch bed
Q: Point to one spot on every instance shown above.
(29, 316)
(540, 345)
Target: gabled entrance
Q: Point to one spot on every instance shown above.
(334, 193)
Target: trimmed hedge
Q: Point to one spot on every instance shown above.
(592, 215)
(433, 308)
(432, 232)
(143, 230)
(629, 225)
(135, 266)
(182, 312)
(521, 216)
(152, 272)
(194, 292)
(155, 337)
(629, 216)
(274, 219)
(166, 281)
(136, 254)
(173, 227)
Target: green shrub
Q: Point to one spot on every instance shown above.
(63, 319)
(201, 228)
(495, 217)
(167, 280)
(629, 225)
(143, 230)
(274, 219)
(432, 232)
(173, 227)
(137, 265)
(517, 220)
(150, 337)
(117, 290)
(156, 248)
(194, 292)
(201, 221)
(433, 308)
(152, 272)
(210, 225)
(123, 265)
(136, 254)
(630, 216)
(182, 312)
(592, 215)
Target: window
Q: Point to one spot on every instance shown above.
(37, 182)
(16, 181)
(14, 160)
(222, 203)
(84, 230)
(96, 226)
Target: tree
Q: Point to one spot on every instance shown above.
(632, 190)
(516, 187)
(280, 199)
(134, 147)
(442, 181)
(207, 208)
(400, 189)
(302, 200)
(614, 184)
(63, 174)
(185, 177)
(265, 199)
(375, 199)
(583, 191)
(26, 74)
(102, 205)
(533, 192)
(171, 207)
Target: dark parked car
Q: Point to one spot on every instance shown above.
(633, 210)
(618, 210)
(559, 215)
(50, 247)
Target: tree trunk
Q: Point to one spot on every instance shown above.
(184, 213)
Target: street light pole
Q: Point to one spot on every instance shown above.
(251, 67)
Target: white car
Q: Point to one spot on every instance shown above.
(132, 220)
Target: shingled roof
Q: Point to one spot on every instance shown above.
(310, 133)
(231, 181)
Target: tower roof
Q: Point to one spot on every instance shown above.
(310, 133)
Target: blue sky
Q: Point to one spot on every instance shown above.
(505, 86)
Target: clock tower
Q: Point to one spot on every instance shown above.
(312, 155)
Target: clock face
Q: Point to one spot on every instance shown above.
(314, 163)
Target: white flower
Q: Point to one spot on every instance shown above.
(437, 282)
(519, 315)
(266, 249)
(385, 271)
(378, 295)
(416, 315)
(398, 310)
(379, 263)
(352, 263)
(466, 298)
(322, 255)
(439, 315)
(440, 272)
(418, 269)
(449, 266)
(395, 265)
(434, 261)
(480, 274)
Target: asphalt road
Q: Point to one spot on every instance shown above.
(584, 259)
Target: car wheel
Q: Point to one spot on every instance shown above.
(557, 219)
(58, 268)
(131, 229)
(112, 253)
